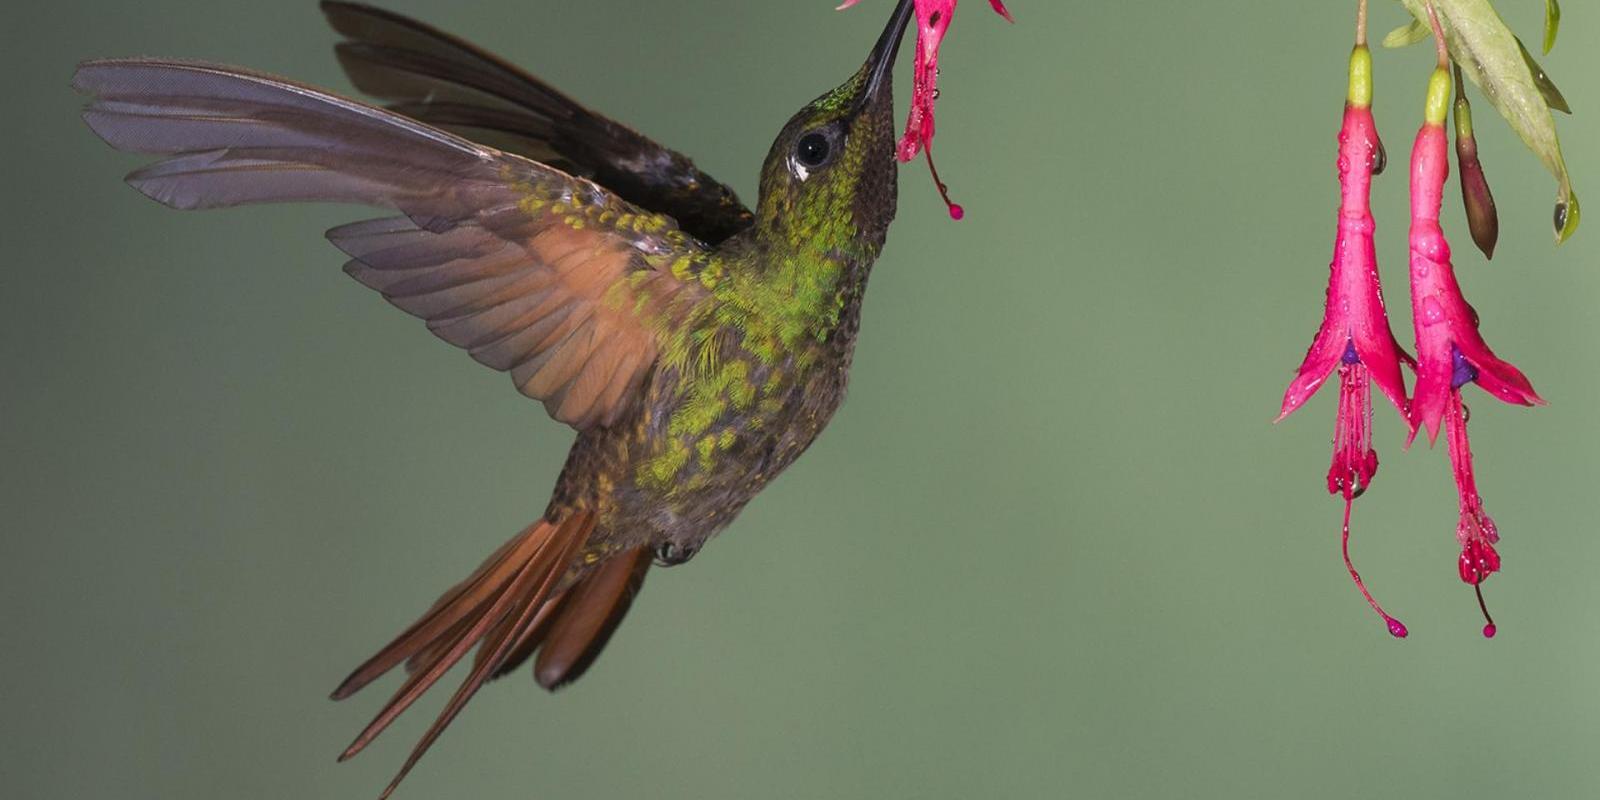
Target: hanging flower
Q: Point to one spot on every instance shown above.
(1450, 351)
(933, 20)
(1355, 337)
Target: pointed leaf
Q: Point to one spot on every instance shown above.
(1407, 35)
(1552, 23)
(1547, 87)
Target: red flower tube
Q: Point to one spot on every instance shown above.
(1450, 351)
(1355, 335)
(933, 20)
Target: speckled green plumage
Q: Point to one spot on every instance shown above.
(748, 376)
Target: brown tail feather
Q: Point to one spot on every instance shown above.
(535, 637)
(501, 605)
(449, 616)
(588, 616)
(600, 599)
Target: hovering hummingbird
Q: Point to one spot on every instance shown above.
(698, 347)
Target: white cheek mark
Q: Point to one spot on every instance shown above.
(799, 169)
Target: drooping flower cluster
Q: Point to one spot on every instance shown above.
(933, 20)
(1355, 336)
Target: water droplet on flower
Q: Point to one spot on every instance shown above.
(935, 93)
(1380, 158)
(1561, 217)
(1435, 248)
(1432, 312)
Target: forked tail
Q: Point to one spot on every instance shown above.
(513, 605)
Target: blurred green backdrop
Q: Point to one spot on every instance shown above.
(1052, 545)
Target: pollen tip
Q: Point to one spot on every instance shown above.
(1397, 629)
(1489, 631)
(956, 211)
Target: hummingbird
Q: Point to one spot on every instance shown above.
(697, 346)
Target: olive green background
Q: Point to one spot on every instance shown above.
(1052, 545)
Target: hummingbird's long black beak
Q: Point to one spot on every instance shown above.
(880, 64)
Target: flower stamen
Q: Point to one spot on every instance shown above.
(956, 211)
(1488, 628)
(1397, 629)
(1475, 531)
(1355, 462)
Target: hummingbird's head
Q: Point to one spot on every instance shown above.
(829, 179)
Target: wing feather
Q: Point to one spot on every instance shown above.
(443, 80)
(531, 270)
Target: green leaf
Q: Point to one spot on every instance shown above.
(1407, 35)
(1492, 58)
(1552, 23)
(1547, 87)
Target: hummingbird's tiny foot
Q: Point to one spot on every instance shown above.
(671, 554)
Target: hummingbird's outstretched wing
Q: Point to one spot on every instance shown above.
(530, 270)
(442, 80)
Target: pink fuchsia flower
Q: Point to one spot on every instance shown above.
(1355, 337)
(1450, 351)
(933, 20)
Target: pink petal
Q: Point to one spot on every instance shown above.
(1500, 378)
(1445, 324)
(1318, 364)
(1354, 312)
(1430, 397)
(933, 20)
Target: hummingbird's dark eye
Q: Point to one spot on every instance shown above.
(812, 150)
